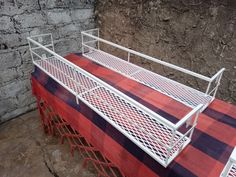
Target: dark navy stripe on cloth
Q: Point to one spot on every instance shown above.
(53, 87)
(209, 145)
(224, 118)
(115, 134)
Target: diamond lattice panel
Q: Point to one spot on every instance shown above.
(232, 171)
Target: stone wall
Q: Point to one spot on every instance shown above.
(21, 18)
(196, 34)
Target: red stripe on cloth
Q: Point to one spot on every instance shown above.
(149, 95)
(153, 97)
(128, 164)
(199, 163)
(224, 107)
(219, 130)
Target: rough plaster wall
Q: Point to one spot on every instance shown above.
(21, 18)
(195, 34)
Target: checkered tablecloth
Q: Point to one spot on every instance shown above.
(212, 143)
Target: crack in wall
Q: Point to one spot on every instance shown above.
(40, 8)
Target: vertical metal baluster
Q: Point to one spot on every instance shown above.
(170, 146)
(194, 123)
(208, 88)
(52, 43)
(217, 85)
(128, 56)
(30, 48)
(76, 85)
(128, 61)
(98, 41)
(82, 38)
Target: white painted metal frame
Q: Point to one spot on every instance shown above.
(230, 168)
(180, 92)
(155, 135)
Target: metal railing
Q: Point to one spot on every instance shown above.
(155, 135)
(92, 37)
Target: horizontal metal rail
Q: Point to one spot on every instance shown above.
(200, 76)
(48, 45)
(40, 35)
(91, 30)
(188, 116)
(217, 74)
(90, 41)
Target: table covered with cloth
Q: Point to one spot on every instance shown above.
(212, 143)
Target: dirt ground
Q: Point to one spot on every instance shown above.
(25, 151)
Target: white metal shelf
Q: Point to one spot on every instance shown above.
(180, 92)
(154, 134)
(177, 91)
(230, 168)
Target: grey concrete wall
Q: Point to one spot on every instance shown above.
(199, 35)
(21, 18)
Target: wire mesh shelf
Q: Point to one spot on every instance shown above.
(230, 168)
(180, 92)
(155, 135)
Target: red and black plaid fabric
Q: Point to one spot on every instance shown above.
(212, 142)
